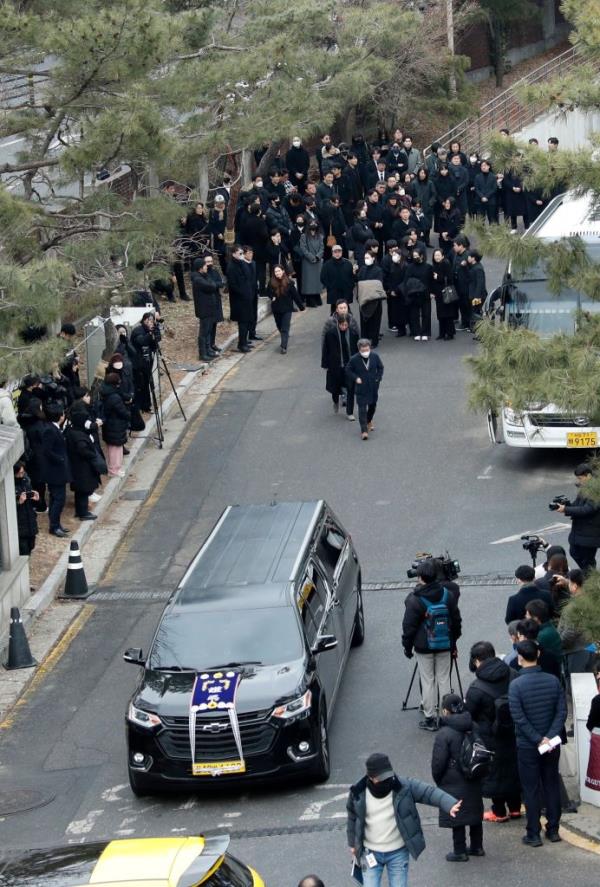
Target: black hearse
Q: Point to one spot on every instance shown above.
(273, 595)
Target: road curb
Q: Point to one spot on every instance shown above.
(47, 592)
(580, 839)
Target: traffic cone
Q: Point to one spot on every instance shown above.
(19, 654)
(76, 584)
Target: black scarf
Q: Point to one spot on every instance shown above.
(381, 789)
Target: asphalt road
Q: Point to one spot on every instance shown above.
(428, 478)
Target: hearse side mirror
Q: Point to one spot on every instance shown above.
(134, 656)
(324, 642)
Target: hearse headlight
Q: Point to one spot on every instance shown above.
(143, 718)
(295, 707)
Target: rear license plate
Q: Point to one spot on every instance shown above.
(582, 439)
(218, 768)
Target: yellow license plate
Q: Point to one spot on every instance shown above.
(582, 439)
(218, 768)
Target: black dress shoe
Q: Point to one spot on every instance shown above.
(244, 349)
(553, 837)
(126, 451)
(250, 345)
(213, 353)
(216, 348)
(257, 338)
(532, 841)
(478, 852)
(457, 857)
(59, 532)
(185, 298)
(207, 357)
(88, 516)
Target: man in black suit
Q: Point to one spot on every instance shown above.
(58, 470)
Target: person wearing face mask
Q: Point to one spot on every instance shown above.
(297, 161)
(284, 295)
(339, 343)
(365, 372)
(259, 192)
(392, 266)
(371, 293)
(418, 287)
(383, 826)
(277, 217)
(473, 169)
(311, 250)
(396, 160)
(360, 233)
(445, 187)
(455, 723)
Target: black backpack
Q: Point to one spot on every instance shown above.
(474, 759)
(502, 717)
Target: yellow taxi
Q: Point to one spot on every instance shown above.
(139, 862)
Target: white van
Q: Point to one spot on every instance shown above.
(524, 300)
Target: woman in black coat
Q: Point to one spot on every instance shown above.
(455, 722)
(449, 225)
(393, 266)
(116, 423)
(283, 295)
(86, 463)
(418, 280)
(340, 343)
(35, 461)
(26, 514)
(442, 277)
(423, 192)
(360, 232)
(445, 186)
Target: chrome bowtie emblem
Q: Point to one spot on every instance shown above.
(215, 727)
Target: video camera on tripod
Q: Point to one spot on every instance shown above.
(533, 544)
(446, 568)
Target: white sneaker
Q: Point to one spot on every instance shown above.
(424, 338)
(514, 231)
(417, 338)
(95, 497)
(350, 418)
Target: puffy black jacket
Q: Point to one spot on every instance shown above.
(447, 774)
(406, 793)
(414, 635)
(585, 517)
(537, 705)
(117, 416)
(206, 296)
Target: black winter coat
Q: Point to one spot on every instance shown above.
(414, 635)
(332, 357)
(486, 185)
(254, 232)
(284, 304)
(368, 390)
(205, 292)
(297, 160)
(35, 459)
(142, 338)
(117, 416)
(493, 678)
(215, 276)
(360, 232)
(337, 277)
(447, 774)
(56, 461)
(407, 793)
(585, 517)
(393, 275)
(477, 288)
(241, 291)
(26, 516)
(83, 457)
(442, 277)
(460, 274)
(350, 186)
(517, 603)
(514, 201)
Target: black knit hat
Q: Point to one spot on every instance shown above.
(379, 765)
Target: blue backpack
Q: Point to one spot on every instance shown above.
(437, 624)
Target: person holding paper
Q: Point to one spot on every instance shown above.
(538, 709)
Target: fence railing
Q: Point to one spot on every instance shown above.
(507, 110)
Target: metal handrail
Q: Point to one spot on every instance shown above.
(506, 109)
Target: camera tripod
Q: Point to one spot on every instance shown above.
(453, 667)
(162, 369)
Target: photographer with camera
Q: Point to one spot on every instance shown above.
(431, 627)
(584, 538)
(26, 514)
(144, 341)
(517, 603)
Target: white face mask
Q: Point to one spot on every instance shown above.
(259, 183)
(369, 260)
(296, 143)
(396, 257)
(365, 354)
(363, 214)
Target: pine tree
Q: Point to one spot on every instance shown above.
(514, 366)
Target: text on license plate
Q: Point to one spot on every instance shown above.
(582, 439)
(218, 768)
